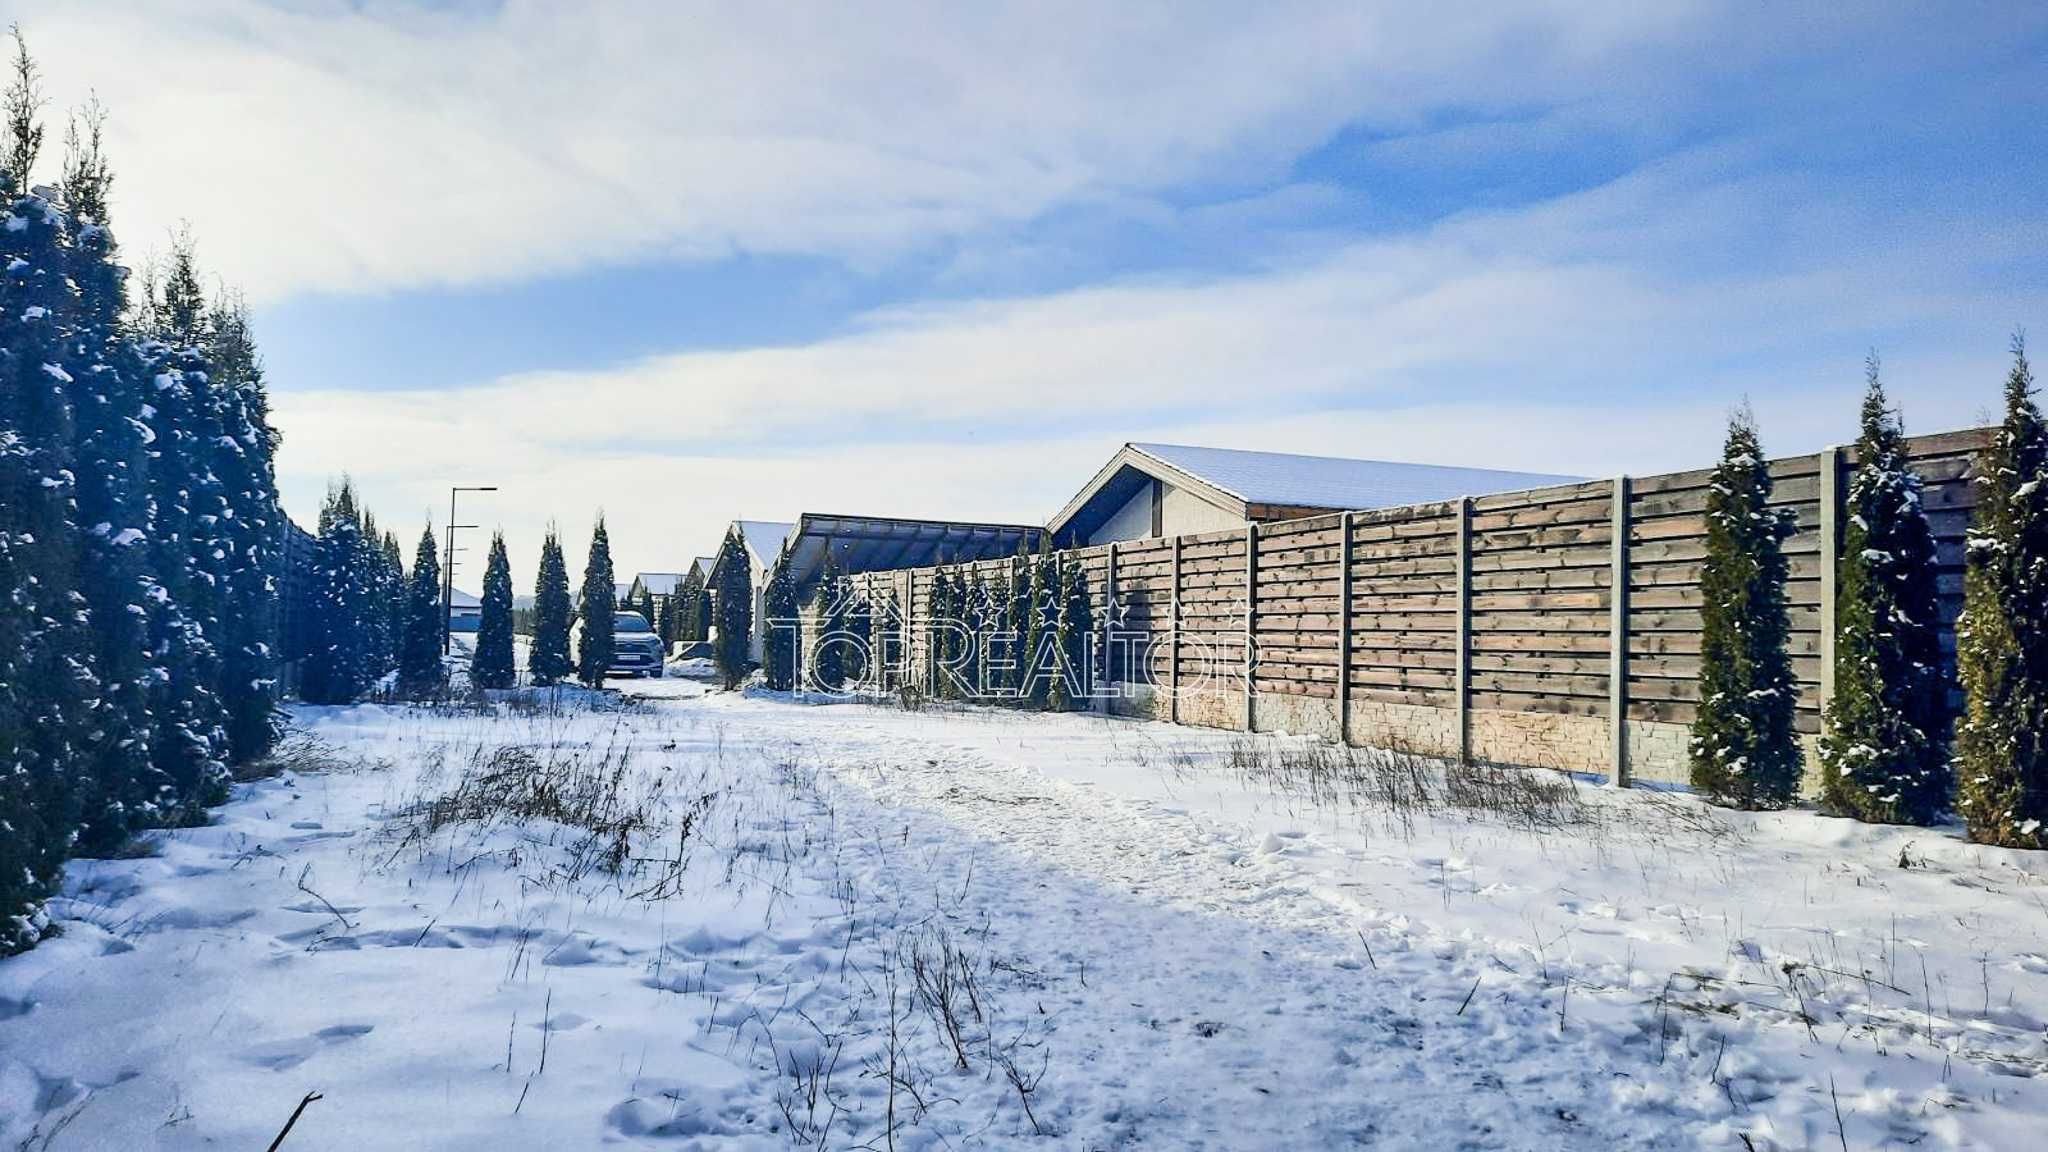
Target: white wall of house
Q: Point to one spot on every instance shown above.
(1184, 513)
(1133, 521)
(1181, 513)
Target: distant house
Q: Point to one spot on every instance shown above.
(757, 544)
(887, 543)
(657, 586)
(465, 612)
(1149, 490)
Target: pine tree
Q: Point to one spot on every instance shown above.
(938, 633)
(2002, 638)
(190, 745)
(779, 643)
(420, 674)
(1074, 625)
(384, 560)
(645, 606)
(112, 466)
(733, 603)
(862, 660)
(830, 657)
(1017, 633)
(594, 647)
(1039, 663)
(547, 662)
(47, 682)
(491, 665)
(250, 534)
(980, 619)
(345, 610)
(1745, 751)
(998, 644)
(1884, 754)
(668, 619)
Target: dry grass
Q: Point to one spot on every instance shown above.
(632, 826)
(1404, 786)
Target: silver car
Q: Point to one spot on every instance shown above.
(636, 649)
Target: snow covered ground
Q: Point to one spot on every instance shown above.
(856, 926)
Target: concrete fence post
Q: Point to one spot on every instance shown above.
(1251, 612)
(1173, 640)
(1617, 638)
(1344, 629)
(1830, 566)
(1464, 659)
(1109, 679)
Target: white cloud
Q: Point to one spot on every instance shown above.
(358, 147)
(1537, 339)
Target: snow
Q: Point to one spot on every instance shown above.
(1168, 947)
(1333, 482)
(764, 539)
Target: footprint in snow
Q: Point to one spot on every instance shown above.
(283, 1055)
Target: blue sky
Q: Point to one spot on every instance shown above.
(694, 263)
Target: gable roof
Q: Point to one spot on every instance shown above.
(1244, 483)
(1283, 478)
(658, 583)
(764, 538)
(702, 566)
(457, 598)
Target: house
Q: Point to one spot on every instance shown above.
(858, 544)
(656, 586)
(886, 543)
(1151, 490)
(465, 612)
(756, 544)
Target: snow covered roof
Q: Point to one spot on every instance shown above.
(457, 598)
(1251, 483)
(658, 583)
(702, 566)
(764, 538)
(1283, 478)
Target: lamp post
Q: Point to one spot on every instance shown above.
(448, 569)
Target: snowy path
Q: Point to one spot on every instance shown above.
(1164, 957)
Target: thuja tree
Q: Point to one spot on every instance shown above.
(862, 657)
(594, 644)
(733, 605)
(547, 662)
(420, 676)
(491, 666)
(1745, 751)
(940, 620)
(1074, 625)
(690, 602)
(344, 614)
(779, 641)
(831, 655)
(1884, 753)
(665, 618)
(1038, 659)
(2002, 637)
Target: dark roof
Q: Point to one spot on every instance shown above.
(888, 543)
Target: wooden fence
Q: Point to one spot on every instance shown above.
(1514, 627)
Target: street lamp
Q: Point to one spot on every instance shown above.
(448, 569)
